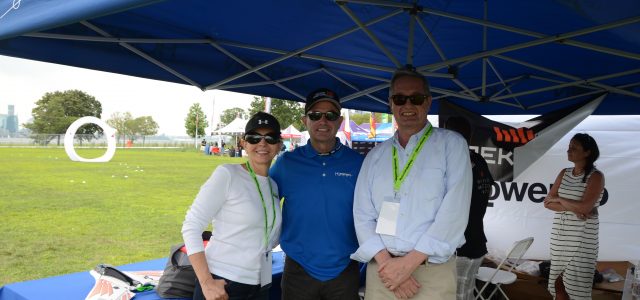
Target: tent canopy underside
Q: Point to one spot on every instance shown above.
(508, 57)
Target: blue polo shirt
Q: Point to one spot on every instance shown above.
(317, 214)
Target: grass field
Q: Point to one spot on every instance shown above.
(60, 216)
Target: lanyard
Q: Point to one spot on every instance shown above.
(264, 206)
(398, 180)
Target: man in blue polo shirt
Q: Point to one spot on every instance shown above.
(317, 182)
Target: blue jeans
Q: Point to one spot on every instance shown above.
(237, 290)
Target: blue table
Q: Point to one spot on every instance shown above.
(77, 285)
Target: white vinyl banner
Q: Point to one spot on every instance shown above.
(517, 210)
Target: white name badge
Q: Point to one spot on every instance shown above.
(388, 218)
(266, 264)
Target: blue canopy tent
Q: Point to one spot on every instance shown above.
(492, 57)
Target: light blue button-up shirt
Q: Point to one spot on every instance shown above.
(434, 198)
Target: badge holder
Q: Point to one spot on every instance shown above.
(266, 265)
(388, 218)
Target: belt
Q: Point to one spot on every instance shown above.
(394, 256)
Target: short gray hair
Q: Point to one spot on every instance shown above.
(409, 71)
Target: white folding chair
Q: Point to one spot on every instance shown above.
(497, 276)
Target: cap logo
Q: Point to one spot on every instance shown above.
(260, 122)
(323, 94)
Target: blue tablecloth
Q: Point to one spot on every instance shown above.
(77, 285)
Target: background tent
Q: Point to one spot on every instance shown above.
(383, 131)
(236, 127)
(492, 57)
(357, 133)
(290, 133)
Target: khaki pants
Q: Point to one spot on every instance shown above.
(438, 282)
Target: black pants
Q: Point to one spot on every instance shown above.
(298, 285)
(236, 290)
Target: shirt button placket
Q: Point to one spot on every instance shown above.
(324, 165)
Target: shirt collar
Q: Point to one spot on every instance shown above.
(412, 140)
(309, 151)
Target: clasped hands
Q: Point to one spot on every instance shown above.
(395, 274)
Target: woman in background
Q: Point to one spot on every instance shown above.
(575, 197)
(241, 202)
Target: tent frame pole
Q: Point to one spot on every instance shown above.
(303, 49)
(142, 54)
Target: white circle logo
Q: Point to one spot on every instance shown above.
(109, 132)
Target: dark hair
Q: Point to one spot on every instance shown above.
(588, 144)
(409, 71)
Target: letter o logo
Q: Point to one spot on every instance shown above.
(109, 132)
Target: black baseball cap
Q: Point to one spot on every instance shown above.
(322, 94)
(262, 120)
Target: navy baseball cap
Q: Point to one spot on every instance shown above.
(322, 94)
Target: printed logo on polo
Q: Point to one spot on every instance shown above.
(342, 174)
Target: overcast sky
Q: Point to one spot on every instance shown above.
(23, 82)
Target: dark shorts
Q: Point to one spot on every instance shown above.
(237, 290)
(297, 284)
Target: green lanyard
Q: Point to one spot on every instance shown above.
(398, 180)
(264, 206)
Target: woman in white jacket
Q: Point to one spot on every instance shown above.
(241, 202)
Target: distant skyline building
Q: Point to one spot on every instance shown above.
(9, 122)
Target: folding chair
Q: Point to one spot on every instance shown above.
(497, 276)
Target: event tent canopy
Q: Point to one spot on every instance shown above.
(236, 127)
(492, 57)
(355, 128)
(291, 133)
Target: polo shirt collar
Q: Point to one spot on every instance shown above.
(309, 151)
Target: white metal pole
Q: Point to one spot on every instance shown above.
(267, 105)
(196, 134)
(213, 113)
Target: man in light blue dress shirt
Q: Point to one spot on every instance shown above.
(412, 201)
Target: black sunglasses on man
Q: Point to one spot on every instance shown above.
(316, 115)
(415, 99)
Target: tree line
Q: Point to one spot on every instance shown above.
(55, 112)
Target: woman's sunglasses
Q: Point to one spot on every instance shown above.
(415, 99)
(255, 138)
(316, 115)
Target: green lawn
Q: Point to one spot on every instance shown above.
(60, 216)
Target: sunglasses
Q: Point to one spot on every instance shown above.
(316, 115)
(255, 138)
(415, 99)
